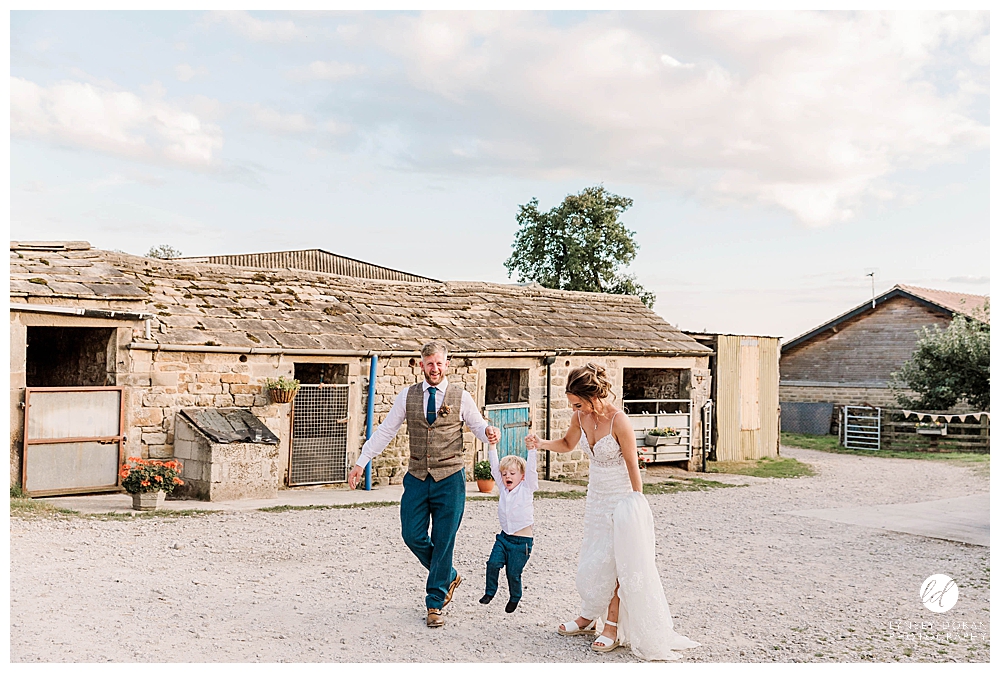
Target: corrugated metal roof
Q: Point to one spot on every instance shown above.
(312, 260)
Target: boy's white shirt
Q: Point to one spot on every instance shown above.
(516, 508)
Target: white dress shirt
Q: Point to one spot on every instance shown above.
(517, 507)
(388, 428)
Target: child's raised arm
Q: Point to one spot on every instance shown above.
(495, 463)
(532, 475)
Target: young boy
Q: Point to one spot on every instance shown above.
(518, 482)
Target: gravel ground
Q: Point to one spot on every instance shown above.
(747, 581)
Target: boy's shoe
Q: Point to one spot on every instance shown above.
(434, 617)
(511, 606)
(486, 599)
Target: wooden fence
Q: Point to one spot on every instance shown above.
(900, 434)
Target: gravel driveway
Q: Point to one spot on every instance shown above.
(744, 579)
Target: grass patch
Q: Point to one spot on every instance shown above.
(779, 468)
(561, 495)
(28, 508)
(154, 514)
(830, 444)
(353, 505)
(681, 485)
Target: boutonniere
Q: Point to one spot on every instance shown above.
(444, 410)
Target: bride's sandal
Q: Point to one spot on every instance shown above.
(571, 628)
(605, 644)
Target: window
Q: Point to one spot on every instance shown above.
(59, 357)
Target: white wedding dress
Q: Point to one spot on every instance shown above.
(619, 545)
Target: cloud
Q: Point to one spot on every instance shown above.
(115, 122)
(186, 73)
(971, 280)
(326, 70)
(808, 112)
(259, 30)
(280, 123)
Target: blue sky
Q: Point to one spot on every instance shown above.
(772, 158)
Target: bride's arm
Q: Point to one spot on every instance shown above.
(562, 445)
(626, 440)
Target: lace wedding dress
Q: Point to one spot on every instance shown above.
(619, 545)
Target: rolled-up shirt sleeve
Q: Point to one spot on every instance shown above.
(472, 417)
(386, 430)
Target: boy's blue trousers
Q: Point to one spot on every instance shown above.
(511, 551)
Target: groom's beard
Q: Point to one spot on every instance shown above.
(433, 383)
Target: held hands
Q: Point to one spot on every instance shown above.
(355, 476)
(493, 434)
(532, 441)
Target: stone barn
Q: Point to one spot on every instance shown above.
(849, 360)
(109, 352)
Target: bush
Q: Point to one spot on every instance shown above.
(481, 470)
(948, 366)
(146, 476)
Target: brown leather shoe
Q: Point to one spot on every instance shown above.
(434, 617)
(451, 589)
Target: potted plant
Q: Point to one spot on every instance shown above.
(483, 476)
(661, 436)
(149, 481)
(932, 428)
(281, 390)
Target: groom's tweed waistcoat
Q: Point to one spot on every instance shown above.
(435, 449)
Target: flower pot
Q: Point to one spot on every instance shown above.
(485, 485)
(660, 440)
(145, 502)
(932, 431)
(279, 396)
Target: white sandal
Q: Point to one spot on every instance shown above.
(571, 628)
(605, 644)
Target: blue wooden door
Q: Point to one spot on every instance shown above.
(513, 421)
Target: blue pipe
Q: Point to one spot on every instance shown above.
(370, 416)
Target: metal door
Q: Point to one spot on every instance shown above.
(319, 435)
(72, 440)
(513, 421)
(862, 428)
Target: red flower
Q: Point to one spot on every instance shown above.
(145, 482)
(177, 481)
(157, 477)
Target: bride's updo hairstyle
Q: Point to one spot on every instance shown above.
(589, 382)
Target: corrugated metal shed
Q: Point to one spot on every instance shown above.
(745, 383)
(312, 260)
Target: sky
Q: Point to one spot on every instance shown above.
(774, 159)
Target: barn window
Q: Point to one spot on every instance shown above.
(59, 357)
(311, 373)
(653, 384)
(506, 386)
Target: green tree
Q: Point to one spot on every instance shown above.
(949, 366)
(581, 244)
(163, 252)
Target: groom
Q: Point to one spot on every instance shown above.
(434, 484)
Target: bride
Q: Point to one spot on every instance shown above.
(617, 574)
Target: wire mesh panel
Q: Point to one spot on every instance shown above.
(862, 428)
(319, 435)
(806, 418)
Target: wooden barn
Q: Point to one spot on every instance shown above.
(849, 359)
(114, 355)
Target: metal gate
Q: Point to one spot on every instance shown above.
(674, 414)
(513, 421)
(72, 440)
(862, 428)
(319, 435)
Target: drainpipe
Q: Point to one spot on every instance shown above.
(370, 416)
(149, 332)
(549, 361)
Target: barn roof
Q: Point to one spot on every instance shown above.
(946, 303)
(200, 304)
